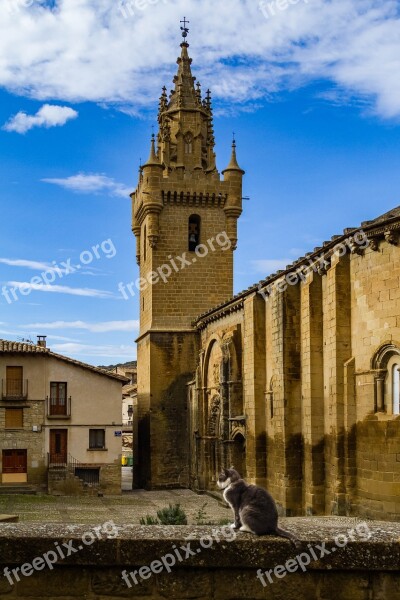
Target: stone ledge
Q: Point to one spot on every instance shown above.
(8, 518)
(141, 545)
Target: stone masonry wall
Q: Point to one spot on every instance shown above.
(318, 435)
(25, 438)
(197, 287)
(162, 401)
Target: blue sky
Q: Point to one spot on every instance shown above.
(312, 92)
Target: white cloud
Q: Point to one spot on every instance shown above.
(102, 327)
(89, 183)
(106, 352)
(60, 338)
(29, 264)
(5, 332)
(60, 289)
(47, 116)
(268, 266)
(85, 50)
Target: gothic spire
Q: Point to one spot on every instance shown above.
(152, 160)
(233, 163)
(186, 135)
(184, 95)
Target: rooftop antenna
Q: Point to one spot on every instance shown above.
(25, 340)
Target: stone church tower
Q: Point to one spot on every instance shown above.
(185, 223)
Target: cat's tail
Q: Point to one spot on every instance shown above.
(290, 536)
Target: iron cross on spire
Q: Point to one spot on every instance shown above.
(184, 29)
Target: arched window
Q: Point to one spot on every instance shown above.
(386, 365)
(194, 232)
(188, 143)
(144, 242)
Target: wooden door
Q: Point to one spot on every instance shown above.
(14, 461)
(58, 446)
(14, 382)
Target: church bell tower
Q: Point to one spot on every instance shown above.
(185, 223)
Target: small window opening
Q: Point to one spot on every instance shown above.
(194, 232)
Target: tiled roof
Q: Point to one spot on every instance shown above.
(129, 389)
(7, 346)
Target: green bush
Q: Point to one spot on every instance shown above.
(173, 515)
(148, 520)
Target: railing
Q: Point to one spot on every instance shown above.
(57, 460)
(14, 389)
(88, 474)
(58, 411)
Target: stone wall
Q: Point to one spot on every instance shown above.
(167, 362)
(26, 438)
(364, 569)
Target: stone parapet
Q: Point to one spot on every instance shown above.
(227, 570)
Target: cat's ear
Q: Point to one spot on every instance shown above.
(226, 472)
(232, 467)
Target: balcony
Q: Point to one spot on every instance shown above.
(57, 408)
(14, 389)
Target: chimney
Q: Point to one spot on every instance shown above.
(41, 341)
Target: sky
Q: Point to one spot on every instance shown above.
(311, 89)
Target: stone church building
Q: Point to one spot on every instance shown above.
(295, 381)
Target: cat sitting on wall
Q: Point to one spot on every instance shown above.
(253, 507)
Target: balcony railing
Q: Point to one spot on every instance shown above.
(57, 409)
(14, 389)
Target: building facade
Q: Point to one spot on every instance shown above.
(59, 418)
(296, 381)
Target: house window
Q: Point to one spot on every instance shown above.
(97, 439)
(14, 418)
(58, 398)
(194, 232)
(14, 382)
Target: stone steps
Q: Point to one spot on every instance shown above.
(57, 476)
(8, 488)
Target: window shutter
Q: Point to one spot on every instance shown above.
(14, 418)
